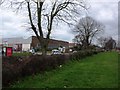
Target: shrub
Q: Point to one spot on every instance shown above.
(15, 68)
(11, 70)
(40, 64)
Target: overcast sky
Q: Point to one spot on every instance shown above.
(105, 11)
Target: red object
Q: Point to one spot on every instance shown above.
(8, 51)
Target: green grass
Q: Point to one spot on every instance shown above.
(21, 54)
(98, 71)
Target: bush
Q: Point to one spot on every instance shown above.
(40, 64)
(11, 69)
(15, 68)
(81, 54)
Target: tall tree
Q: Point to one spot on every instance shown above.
(45, 13)
(86, 30)
(110, 44)
(102, 41)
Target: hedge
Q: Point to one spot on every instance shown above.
(14, 68)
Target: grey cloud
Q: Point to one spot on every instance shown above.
(11, 24)
(106, 13)
(100, 10)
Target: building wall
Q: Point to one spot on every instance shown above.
(20, 44)
(25, 47)
(17, 43)
(17, 47)
(52, 43)
(71, 45)
(57, 43)
(35, 42)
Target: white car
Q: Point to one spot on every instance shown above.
(32, 51)
(74, 51)
(55, 51)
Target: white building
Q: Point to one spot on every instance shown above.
(18, 44)
(21, 44)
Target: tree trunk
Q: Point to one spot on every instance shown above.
(87, 43)
(44, 51)
(44, 46)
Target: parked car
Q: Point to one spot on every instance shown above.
(55, 51)
(32, 51)
(74, 51)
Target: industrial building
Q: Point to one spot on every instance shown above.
(21, 44)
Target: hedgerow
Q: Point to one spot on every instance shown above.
(14, 68)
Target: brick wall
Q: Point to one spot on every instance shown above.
(52, 43)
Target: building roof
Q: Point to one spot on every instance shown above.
(17, 40)
(54, 40)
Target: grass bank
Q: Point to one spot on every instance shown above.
(97, 71)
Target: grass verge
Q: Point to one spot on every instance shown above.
(97, 71)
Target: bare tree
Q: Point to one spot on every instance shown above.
(110, 44)
(102, 41)
(86, 30)
(44, 14)
(1, 1)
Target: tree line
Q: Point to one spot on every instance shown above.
(44, 14)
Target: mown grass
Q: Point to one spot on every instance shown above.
(97, 71)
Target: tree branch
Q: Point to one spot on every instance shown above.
(31, 22)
